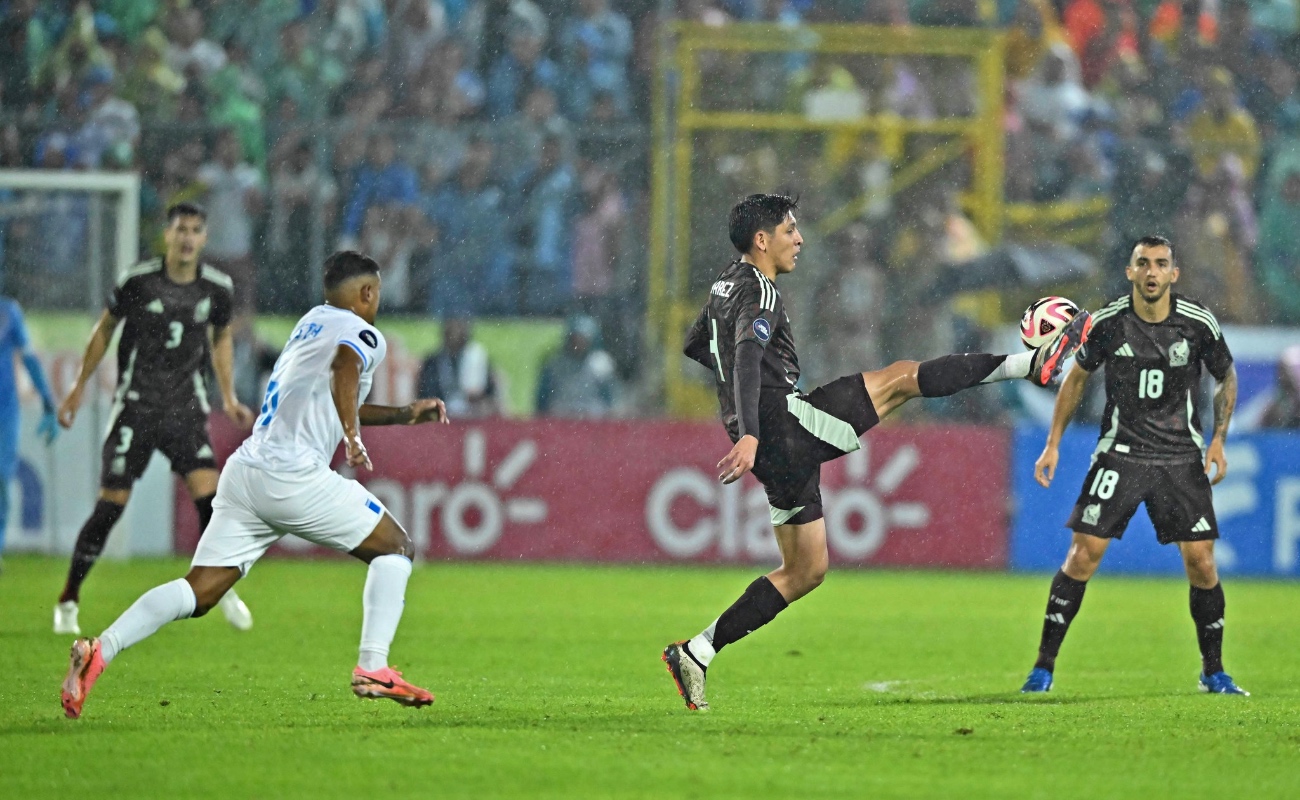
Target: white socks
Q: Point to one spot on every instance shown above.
(701, 646)
(1016, 365)
(155, 608)
(382, 603)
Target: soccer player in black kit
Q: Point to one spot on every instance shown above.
(176, 312)
(1153, 344)
(744, 338)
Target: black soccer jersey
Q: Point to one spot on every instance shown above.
(744, 306)
(1153, 375)
(164, 344)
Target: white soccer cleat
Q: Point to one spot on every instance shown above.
(237, 613)
(65, 619)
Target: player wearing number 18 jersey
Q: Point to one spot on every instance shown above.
(1154, 344)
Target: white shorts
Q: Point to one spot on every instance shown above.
(253, 508)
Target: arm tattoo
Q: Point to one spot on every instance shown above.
(1225, 400)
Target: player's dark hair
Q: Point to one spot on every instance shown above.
(346, 265)
(758, 212)
(1155, 240)
(178, 210)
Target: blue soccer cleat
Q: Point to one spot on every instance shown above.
(1039, 680)
(1220, 683)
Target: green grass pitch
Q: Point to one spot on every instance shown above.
(880, 684)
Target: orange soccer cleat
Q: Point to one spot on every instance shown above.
(388, 682)
(84, 667)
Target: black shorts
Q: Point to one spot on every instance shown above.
(1178, 499)
(796, 440)
(181, 435)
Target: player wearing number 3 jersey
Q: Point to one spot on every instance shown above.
(1153, 344)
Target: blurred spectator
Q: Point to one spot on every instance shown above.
(1052, 94)
(578, 381)
(595, 46)
(471, 271)
(189, 53)
(597, 239)
(447, 90)
(519, 69)
(112, 123)
(1221, 126)
(543, 230)
(234, 198)
(303, 73)
(382, 180)
(1279, 249)
(389, 237)
(1216, 235)
(519, 141)
(345, 29)
(148, 81)
(1283, 410)
(298, 185)
(25, 41)
(417, 27)
(461, 373)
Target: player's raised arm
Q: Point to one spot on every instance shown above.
(1067, 402)
(223, 366)
(345, 387)
(1225, 401)
(100, 336)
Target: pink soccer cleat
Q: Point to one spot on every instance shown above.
(388, 682)
(84, 667)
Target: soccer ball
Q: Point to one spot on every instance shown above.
(1044, 319)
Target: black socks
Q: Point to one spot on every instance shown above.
(1207, 612)
(1062, 605)
(90, 543)
(204, 506)
(940, 377)
(758, 606)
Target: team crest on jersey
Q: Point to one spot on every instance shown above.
(369, 338)
(762, 329)
(203, 309)
(1178, 353)
(1091, 514)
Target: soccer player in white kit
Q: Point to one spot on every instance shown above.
(279, 482)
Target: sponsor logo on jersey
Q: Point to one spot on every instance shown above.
(1178, 353)
(203, 309)
(369, 338)
(723, 288)
(762, 329)
(1091, 514)
(156, 307)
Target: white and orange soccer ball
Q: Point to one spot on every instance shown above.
(1044, 319)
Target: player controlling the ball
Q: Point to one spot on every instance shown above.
(279, 482)
(1153, 344)
(782, 435)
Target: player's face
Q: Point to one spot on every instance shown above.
(784, 244)
(1152, 271)
(185, 238)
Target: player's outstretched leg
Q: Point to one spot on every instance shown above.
(901, 381)
(804, 561)
(232, 607)
(1063, 601)
(191, 596)
(90, 543)
(388, 551)
(1208, 607)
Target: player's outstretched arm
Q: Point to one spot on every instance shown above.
(100, 336)
(345, 387)
(1067, 402)
(223, 366)
(430, 410)
(1225, 402)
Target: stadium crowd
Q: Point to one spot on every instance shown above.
(492, 154)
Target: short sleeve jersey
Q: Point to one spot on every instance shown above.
(13, 340)
(164, 346)
(298, 428)
(1153, 376)
(745, 306)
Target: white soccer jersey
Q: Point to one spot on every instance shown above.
(298, 427)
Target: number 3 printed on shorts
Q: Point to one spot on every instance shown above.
(125, 435)
(177, 331)
(1103, 485)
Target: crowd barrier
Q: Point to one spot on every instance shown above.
(646, 492)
